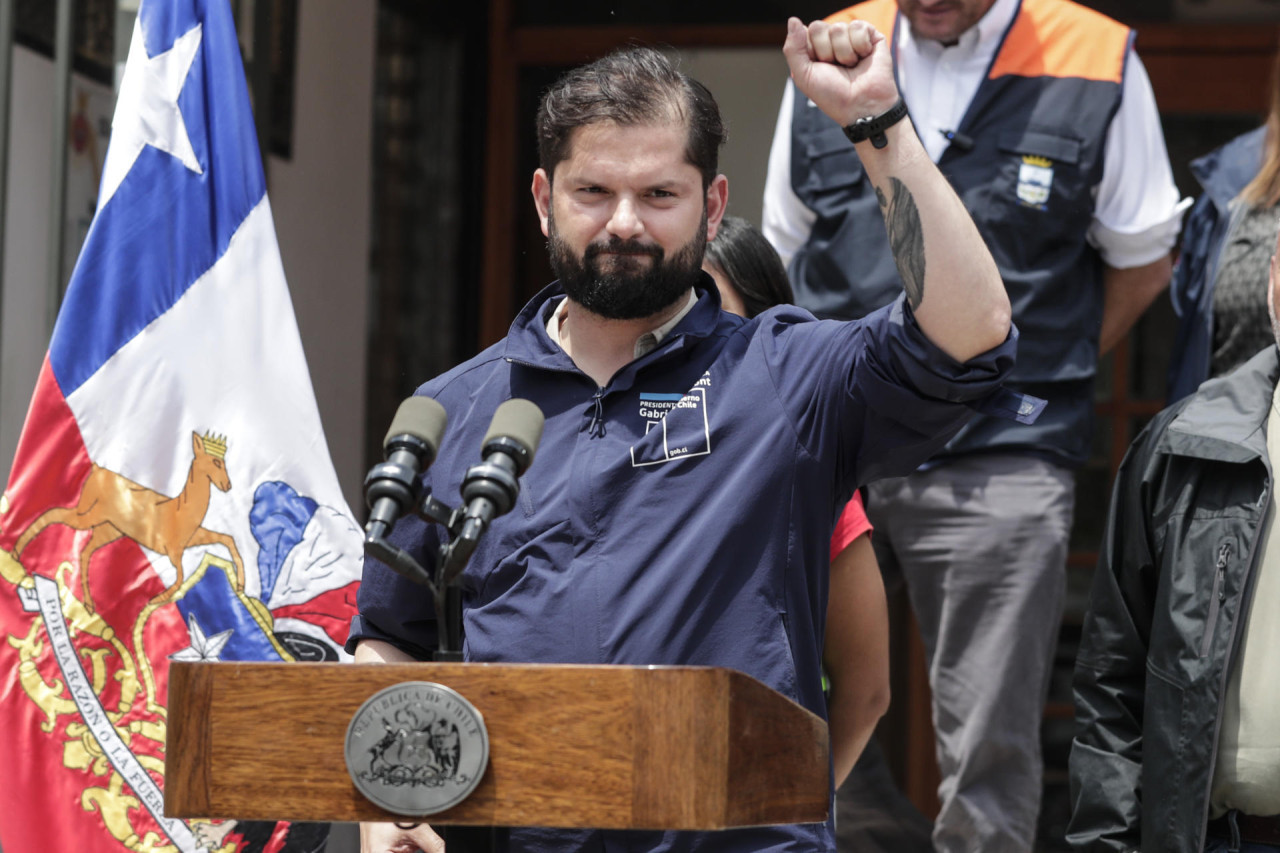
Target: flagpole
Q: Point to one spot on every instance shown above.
(62, 48)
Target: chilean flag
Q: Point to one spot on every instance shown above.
(172, 495)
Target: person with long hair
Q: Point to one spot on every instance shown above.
(1218, 288)
(747, 270)
(871, 811)
(749, 275)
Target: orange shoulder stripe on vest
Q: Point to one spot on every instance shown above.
(878, 13)
(1056, 38)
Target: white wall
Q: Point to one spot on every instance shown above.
(24, 336)
(320, 199)
(747, 84)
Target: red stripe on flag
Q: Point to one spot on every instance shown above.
(60, 789)
(51, 463)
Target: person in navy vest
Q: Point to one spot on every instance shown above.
(1042, 119)
(693, 462)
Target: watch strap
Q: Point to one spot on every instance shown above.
(873, 127)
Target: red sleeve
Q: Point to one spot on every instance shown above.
(851, 524)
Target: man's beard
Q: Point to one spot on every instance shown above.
(633, 288)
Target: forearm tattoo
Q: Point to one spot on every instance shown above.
(906, 238)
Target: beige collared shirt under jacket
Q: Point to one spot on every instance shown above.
(645, 344)
(1246, 775)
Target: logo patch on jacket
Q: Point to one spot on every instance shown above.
(1035, 179)
(654, 407)
(676, 425)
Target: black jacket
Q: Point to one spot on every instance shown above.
(1173, 581)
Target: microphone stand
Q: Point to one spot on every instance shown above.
(451, 559)
(489, 489)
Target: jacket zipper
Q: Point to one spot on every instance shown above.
(596, 427)
(1246, 599)
(1216, 598)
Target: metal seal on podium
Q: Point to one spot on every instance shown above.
(416, 748)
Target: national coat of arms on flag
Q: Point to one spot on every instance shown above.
(172, 496)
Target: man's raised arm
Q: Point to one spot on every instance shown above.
(949, 276)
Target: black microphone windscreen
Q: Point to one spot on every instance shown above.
(519, 420)
(421, 417)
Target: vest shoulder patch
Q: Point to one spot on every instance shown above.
(1056, 38)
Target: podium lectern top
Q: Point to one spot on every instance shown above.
(610, 747)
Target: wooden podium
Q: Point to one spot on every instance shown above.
(610, 747)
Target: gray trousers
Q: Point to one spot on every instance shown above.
(981, 543)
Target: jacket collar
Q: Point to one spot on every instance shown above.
(1225, 171)
(1226, 419)
(528, 342)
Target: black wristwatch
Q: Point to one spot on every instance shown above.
(873, 127)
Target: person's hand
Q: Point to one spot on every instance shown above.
(845, 68)
(399, 838)
(211, 834)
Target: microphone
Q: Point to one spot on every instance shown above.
(391, 487)
(490, 488)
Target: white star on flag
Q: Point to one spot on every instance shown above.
(147, 110)
(202, 648)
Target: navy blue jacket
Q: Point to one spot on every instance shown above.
(682, 514)
(1223, 173)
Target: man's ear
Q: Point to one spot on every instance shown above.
(717, 203)
(542, 199)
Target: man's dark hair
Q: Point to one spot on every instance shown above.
(750, 264)
(632, 86)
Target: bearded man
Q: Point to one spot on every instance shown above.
(693, 462)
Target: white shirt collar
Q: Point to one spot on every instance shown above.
(938, 83)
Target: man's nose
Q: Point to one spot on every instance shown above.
(625, 223)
